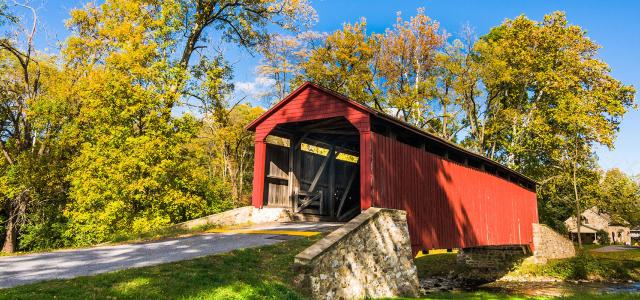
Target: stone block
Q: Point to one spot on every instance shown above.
(369, 257)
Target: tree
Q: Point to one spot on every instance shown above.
(345, 64)
(34, 110)
(133, 171)
(620, 197)
(282, 56)
(135, 61)
(555, 99)
(533, 95)
(223, 145)
(407, 58)
(243, 22)
(228, 149)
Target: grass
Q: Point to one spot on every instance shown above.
(259, 273)
(589, 265)
(436, 264)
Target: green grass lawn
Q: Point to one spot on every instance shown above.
(259, 273)
(611, 266)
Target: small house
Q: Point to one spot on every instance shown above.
(594, 220)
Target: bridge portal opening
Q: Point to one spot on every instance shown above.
(312, 167)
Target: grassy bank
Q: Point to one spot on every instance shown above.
(436, 264)
(243, 274)
(589, 265)
(487, 295)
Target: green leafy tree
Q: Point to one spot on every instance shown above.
(133, 171)
(281, 58)
(531, 94)
(620, 197)
(34, 110)
(345, 64)
(227, 149)
(407, 56)
(554, 98)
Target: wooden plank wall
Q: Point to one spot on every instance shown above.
(277, 176)
(311, 163)
(449, 205)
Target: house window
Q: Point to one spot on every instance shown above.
(584, 220)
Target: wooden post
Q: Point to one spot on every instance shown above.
(291, 183)
(332, 179)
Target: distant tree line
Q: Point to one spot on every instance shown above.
(133, 125)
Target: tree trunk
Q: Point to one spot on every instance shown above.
(578, 213)
(11, 234)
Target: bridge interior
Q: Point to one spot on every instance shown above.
(312, 167)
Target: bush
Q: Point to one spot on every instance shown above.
(603, 237)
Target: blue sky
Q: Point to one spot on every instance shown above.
(615, 25)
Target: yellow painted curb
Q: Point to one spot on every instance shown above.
(435, 251)
(265, 231)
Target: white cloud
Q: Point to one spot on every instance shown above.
(256, 89)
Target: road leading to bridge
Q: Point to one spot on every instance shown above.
(24, 269)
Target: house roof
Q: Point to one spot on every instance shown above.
(387, 118)
(585, 229)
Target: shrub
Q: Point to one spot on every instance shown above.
(603, 237)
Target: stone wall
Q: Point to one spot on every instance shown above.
(619, 234)
(485, 264)
(548, 244)
(241, 215)
(369, 257)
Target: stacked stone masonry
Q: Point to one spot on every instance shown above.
(548, 244)
(369, 257)
(241, 215)
(489, 263)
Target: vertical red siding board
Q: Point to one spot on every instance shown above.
(259, 172)
(486, 209)
(365, 170)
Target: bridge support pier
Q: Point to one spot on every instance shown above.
(489, 263)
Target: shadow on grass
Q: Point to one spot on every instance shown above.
(256, 273)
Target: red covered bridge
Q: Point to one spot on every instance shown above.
(335, 157)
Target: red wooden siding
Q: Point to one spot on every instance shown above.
(449, 205)
(305, 104)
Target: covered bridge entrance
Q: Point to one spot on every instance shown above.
(312, 167)
(318, 152)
